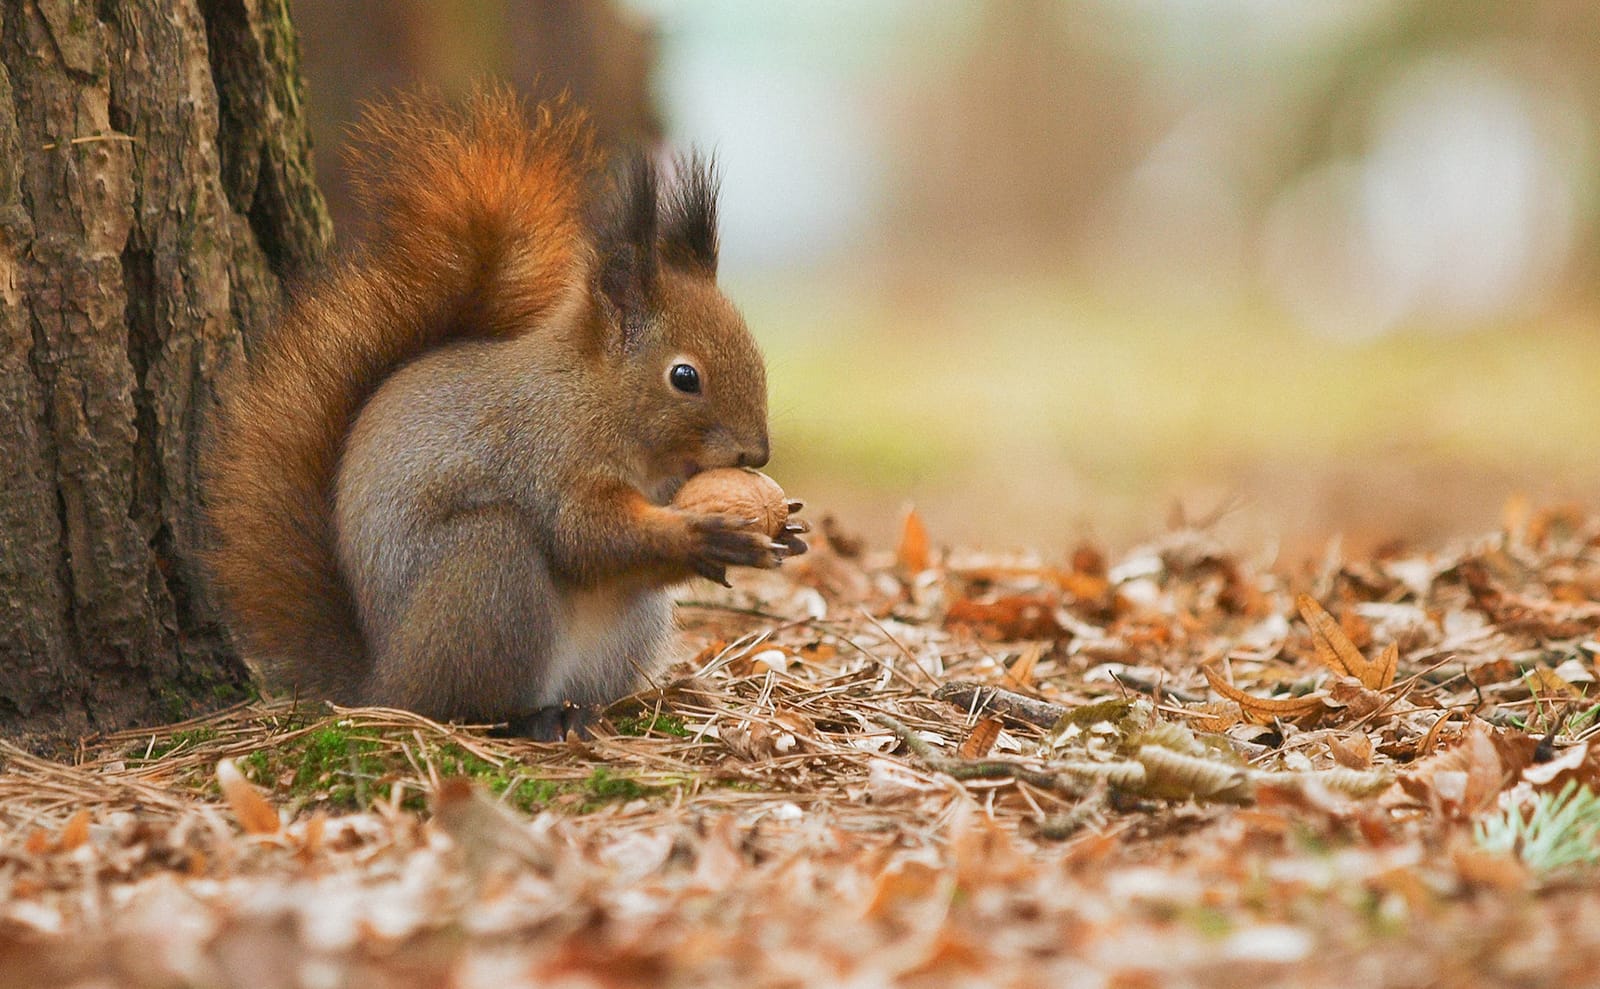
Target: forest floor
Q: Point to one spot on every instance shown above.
(907, 767)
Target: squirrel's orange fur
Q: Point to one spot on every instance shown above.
(477, 231)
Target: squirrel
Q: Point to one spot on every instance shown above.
(442, 482)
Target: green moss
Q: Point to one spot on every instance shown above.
(347, 768)
(652, 724)
(335, 765)
(503, 781)
(602, 786)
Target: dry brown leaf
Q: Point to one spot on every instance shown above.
(1575, 762)
(1355, 628)
(311, 837)
(254, 813)
(75, 832)
(1262, 710)
(1333, 646)
(492, 839)
(913, 553)
(1021, 672)
(906, 881)
(38, 842)
(985, 853)
(1462, 780)
(757, 741)
(1353, 751)
(1214, 716)
(718, 859)
(1430, 741)
(1485, 869)
(1387, 665)
(1353, 700)
(981, 740)
(1175, 775)
(1009, 619)
(1495, 671)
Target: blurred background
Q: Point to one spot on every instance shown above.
(1056, 269)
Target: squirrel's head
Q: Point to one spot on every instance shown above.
(691, 375)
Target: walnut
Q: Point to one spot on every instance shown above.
(738, 492)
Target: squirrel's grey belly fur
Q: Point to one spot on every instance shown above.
(423, 501)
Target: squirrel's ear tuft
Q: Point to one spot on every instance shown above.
(625, 241)
(689, 215)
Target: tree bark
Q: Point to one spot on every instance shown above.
(155, 190)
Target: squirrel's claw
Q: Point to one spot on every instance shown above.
(714, 572)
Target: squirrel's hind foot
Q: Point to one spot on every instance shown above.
(549, 724)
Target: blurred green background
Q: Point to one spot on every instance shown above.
(1049, 268)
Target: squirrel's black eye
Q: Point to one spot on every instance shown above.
(684, 378)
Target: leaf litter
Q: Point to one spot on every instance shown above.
(918, 767)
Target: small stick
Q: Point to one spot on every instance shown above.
(983, 769)
(975, 697)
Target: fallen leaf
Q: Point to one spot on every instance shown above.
(903, 882)
(75, 832)
(1353, 699)
(1021, 672)
(1388, 663)
(1009, 619)
(1262, 710)
(1352, 752)
(981, 740)
(254, 813)
(1485, 869)
(1338, 652)
(1462, 780)
(1174, 775)
(913, 552)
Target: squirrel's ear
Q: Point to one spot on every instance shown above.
(689, 215)
(625, 243)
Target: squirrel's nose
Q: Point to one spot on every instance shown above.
(755, 456)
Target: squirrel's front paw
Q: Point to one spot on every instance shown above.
(721, 542)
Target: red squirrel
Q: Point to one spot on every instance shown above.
(442, 483)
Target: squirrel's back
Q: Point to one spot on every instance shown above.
(478, 232)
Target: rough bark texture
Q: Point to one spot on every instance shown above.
(155, 189)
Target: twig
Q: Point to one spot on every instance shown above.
(978, 698)
(981, 769)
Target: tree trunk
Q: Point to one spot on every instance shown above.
(155, 189)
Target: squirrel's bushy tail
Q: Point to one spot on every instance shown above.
(477, 230)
